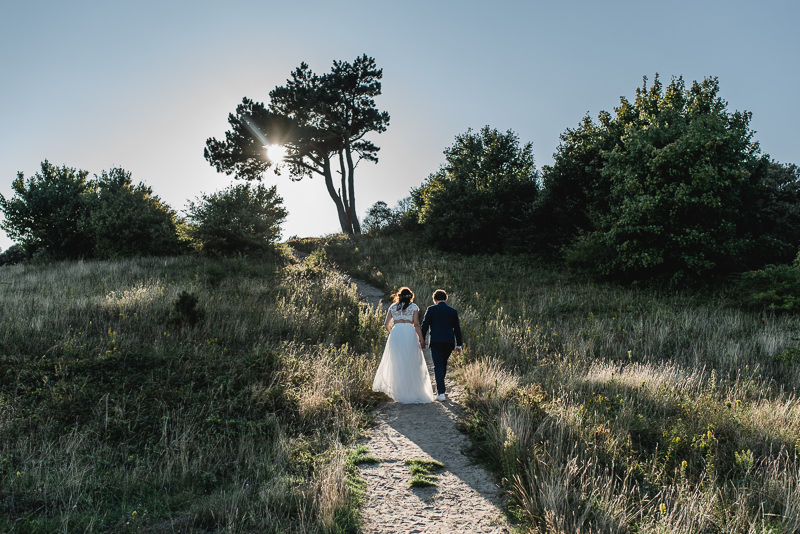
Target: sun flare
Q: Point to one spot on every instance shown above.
(276, 153)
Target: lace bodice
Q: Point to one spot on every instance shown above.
(403, 315)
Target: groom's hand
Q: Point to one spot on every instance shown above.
(457, 350)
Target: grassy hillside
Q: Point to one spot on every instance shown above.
(181, 395)
(612, 409)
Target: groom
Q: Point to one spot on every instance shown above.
(442, 320)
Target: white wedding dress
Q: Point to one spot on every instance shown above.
(402, 373)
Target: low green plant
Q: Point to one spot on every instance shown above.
(361, 456)
(241, 218)
(775, 288)
(186, 311)
(421, 471)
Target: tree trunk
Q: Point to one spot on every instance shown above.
(340, 208)
(346, 201)
(350, 175)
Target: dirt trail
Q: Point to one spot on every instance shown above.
(465, 498)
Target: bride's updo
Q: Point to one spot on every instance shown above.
(403, 298)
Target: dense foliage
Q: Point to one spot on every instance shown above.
(12, 255)
(774, 288)
(671, 186)
(45, 213)
(322, 120)
(58, 213)
(381, 219)
(481, 198)
(239, 219)
(123, 219)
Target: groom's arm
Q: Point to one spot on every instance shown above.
(426, 323)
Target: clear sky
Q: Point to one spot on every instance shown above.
(142, 84)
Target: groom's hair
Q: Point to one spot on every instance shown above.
(439, 294)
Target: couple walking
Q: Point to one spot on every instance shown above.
(402, 373)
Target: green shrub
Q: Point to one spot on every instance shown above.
(239, 219)
(45, 212)
(773, 288)
(127, 220)
(12, 255)
(381, 219)
(480, 200)
(186, 311)
(59, 214)
(672, 186)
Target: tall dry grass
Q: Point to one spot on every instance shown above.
(606, 408)
(120, 411)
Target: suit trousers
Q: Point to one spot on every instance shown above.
(440, 353)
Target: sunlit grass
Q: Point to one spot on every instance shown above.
(612, 409)
(118, 413)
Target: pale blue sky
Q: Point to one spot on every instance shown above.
(142, 84)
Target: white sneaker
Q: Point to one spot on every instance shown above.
(441, 397)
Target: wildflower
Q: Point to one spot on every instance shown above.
(663, 508)
(19, 474)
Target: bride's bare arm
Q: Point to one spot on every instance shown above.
(388, 321)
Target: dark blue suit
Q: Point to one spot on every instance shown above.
(442, 320)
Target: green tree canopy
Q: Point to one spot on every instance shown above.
(125, 220)
(380, 218)
(45, 212)
(480, 199)
(322, 120)
(240, 218)
(666, 187)
(60, 214)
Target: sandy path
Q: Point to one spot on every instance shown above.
(465, 498)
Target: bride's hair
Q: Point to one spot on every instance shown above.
(403, 298)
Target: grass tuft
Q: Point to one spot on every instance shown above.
(421, 471)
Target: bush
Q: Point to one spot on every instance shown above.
(12, 255)
(671, 187)
(126, 220)
(240, 218)
(58, 214)
(774, 215)
(185, 310)
(480, 200)
(45, 212)
(381, 219)
(774, 288)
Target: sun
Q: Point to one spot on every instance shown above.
(276, 153)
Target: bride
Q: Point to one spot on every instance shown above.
(402, 373)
